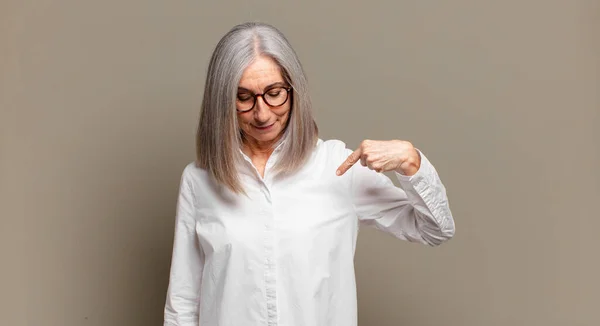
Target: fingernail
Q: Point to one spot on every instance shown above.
(338, 172)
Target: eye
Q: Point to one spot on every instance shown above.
(275, 92)
(244, 97)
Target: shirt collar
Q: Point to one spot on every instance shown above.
(277, 149)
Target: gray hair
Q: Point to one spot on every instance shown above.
(219, 139)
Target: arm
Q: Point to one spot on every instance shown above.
(418, 211)
(183, 294)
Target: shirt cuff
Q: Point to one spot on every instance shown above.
(421, 179)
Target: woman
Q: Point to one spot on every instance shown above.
(267, 217)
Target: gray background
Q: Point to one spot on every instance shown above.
(99, 107)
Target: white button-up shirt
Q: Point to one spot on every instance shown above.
(284, 254)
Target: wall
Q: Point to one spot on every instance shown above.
(99, 106)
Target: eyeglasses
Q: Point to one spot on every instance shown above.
(274, 97)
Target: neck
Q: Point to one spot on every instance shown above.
(257, 149)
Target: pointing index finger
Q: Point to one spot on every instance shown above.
(349, 162)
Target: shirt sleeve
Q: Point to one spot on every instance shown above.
(417, 211)
(183, 294)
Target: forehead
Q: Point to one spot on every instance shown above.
(260, 73)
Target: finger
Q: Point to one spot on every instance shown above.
(363, 160)
(373, 166)
(349, 162)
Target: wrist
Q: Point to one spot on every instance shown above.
(411, 165)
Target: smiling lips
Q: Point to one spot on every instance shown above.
(265, 127)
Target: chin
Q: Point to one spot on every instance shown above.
(267, 136)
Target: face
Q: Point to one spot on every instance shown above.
(263, 125)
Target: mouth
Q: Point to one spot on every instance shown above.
(265, 128)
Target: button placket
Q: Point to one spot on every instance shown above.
(269, 262)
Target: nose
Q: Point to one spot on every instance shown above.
(262, 112)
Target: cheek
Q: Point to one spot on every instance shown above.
(244, 119)
(285, 115)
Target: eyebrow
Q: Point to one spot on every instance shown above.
(277, 84)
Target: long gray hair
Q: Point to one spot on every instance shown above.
(219, 139)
